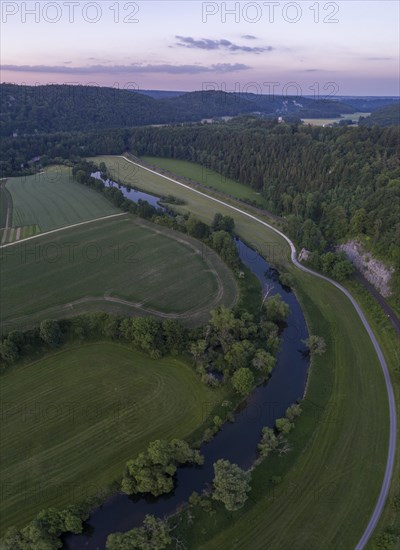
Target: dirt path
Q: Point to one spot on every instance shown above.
(62, 229)
(140, 307)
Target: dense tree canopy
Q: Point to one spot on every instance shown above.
(50, 332)
(44, 531)
(52, 108)
(243, 381)
(152, 471)
(231, 484)
(152, 535)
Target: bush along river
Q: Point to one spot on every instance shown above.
(130, 193)
(236, 442)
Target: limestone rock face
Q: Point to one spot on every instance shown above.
(304, 255)
(377, 273)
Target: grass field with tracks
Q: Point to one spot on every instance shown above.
(52, 199)
(124, 265)
(331, 480)
(72, 420)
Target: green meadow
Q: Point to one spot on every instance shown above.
(51, 199)
(123, 265)
(72, 420)
(207, 178)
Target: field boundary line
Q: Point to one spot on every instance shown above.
(63, 229)
(7, 197)
(389, 388)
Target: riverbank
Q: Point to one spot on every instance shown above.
(348, 387)
(266, 403)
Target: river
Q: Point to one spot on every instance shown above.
(236, 441)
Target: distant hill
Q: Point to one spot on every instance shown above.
(56, 108)
(160, 94)
(53, 108)
(386, 116)
(366, 104)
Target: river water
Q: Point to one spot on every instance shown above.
(129, 192)
(236, 441)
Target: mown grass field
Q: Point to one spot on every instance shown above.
(72, 420)
(52, 199)
(293, 514)
(325, 121)
(389, 342)
(12, 234)
(207, 177)
(270, 245)
(123, 264)
(331, 480)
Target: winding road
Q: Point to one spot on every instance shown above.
(392, 407)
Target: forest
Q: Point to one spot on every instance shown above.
(386, 116)
(54, 108)
(329, 183)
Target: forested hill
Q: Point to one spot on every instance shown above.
(57, 108)
(386, 116)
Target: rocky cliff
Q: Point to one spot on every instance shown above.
(377, 273)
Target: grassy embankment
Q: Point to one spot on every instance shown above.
(208, 178)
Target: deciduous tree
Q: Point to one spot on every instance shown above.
(231, 484)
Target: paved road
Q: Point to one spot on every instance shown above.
(392, 407)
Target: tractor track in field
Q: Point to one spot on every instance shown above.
(194, 313)
(137, 306)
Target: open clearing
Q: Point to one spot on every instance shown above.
(207, 177)
(52, 199)
(331, 481)
(326, 121)
(72, 420)
(121, 265)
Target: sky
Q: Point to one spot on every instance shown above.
(317, 48)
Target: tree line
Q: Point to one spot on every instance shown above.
(218, 235)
